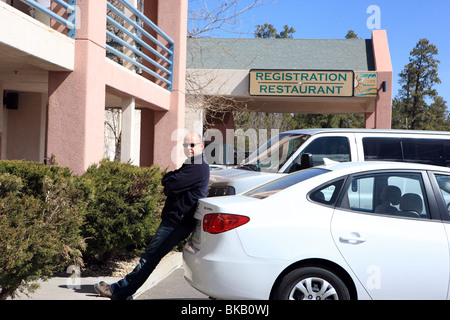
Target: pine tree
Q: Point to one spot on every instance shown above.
(413, 108)
(268, 31)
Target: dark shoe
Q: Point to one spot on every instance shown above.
(102, 288)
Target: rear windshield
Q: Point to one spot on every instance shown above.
(275, 186)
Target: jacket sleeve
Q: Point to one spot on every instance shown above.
(183, 179)
(167, 176)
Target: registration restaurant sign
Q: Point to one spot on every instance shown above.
(312, 83)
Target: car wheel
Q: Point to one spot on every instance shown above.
(311, 283)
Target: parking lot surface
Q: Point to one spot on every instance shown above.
(174, 286)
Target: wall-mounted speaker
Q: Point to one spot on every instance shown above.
(11, 100)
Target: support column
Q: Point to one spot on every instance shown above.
(77, 99)
(383, 66)
(222, 128)
(128, 152)
(161, 130)
(147, 115)
(3, 124)
(370, 120)
(43, 130)
(147, 137)
(170, 126)
(127, 147)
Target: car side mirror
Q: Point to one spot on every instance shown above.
(306, 161)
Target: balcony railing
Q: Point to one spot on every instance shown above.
(130, 41)
(133, 40)
(70, 8)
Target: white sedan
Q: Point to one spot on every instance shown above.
(367, 230)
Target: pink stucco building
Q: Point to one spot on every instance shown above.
(57, 80)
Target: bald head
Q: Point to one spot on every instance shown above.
(192, 144)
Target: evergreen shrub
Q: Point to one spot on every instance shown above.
(51, 219)
(40, 219)
(124, 205)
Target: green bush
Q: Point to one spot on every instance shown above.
(33, 173)
(50, 219)
(40, 219)
(124, 204)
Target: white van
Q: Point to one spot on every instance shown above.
(299, 149)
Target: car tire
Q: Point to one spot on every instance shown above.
(311, 283)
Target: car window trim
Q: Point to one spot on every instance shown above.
(338, 196)
(439, 199)
(431, 196)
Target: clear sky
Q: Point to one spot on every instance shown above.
(406, 22)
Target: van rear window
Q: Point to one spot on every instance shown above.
(426, 151)
(385, 149)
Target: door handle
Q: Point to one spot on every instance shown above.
(352, 238)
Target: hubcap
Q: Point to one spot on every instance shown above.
(313, 289)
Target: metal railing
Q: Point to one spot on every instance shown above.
(70, 8)
(142, 39)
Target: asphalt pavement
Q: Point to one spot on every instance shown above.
(174, 286)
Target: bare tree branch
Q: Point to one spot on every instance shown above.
(206, 16)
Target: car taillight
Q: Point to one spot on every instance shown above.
(220, 222)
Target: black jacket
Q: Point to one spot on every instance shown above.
(183, 187)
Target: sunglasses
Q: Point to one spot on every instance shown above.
(192, 145)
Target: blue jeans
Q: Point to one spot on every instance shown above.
(166, 237)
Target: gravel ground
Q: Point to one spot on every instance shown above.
(118, 267)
